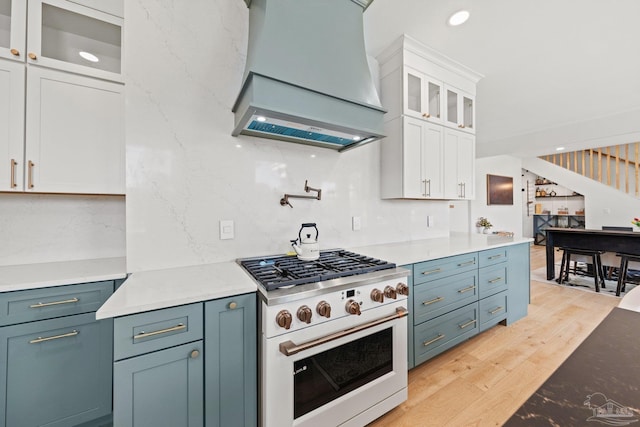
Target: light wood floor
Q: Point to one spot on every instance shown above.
(483, 381)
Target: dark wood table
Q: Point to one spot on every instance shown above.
(605, 240)
(597, 384)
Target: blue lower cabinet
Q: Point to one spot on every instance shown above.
(163, 388)
(231, 362)
(56, 372)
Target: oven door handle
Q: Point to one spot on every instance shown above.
(289, 348)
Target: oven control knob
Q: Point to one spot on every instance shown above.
(389, 292)
(377, 295)
(352, 307)
(283, 319)
(304, 314)
(324, 309)
(402, 289)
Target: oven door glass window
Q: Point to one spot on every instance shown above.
(323, 377)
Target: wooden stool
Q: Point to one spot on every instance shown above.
(622, 272)
(565, 266)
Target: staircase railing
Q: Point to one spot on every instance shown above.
(617, 166)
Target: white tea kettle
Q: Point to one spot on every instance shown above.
(307, 247)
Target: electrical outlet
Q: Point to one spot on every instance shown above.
(430, 221)
(226, 229)
(356, 224)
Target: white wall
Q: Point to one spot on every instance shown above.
(185, 172)
(45, 228)
(502, 217)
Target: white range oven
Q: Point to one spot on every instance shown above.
(333, 350)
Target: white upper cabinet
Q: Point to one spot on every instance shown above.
(11, 125)
(75, 38)
(423, 97)
(429, 151)
(13, 29)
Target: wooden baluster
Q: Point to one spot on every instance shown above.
(599, 166)
(584, 171)
(626, 168)
(591, 163)
(636, 168)
(617, 156)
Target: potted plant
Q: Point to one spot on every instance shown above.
(484, 224)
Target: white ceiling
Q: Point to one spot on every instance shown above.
(557, 72)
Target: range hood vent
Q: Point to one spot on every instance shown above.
(307, 79)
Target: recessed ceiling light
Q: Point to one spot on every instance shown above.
(88, 56)
(559, 148)
(357, 138)
(261, 119)
(460, 17)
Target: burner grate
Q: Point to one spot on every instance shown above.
(276, 272)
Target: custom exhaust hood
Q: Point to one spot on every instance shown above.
(307, 79)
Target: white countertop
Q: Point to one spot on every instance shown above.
(42, 275)
(402, 253)
(156, 289)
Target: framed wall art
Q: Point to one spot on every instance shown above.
(499, 190)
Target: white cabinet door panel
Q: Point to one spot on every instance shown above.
(75, 135)
(13, 27)
(11, 125)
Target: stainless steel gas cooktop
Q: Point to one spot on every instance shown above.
(280, 271)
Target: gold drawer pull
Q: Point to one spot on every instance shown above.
(13, 173)
(55, 337)
(438, 299)
(438, 338)
(462, 264)
(30, 173)
(495, 256)
(497, 279)
(47, 304)
(15, 52)
(467, 289)
(469, 323)
(144, 334)
(32, 56)
(495, 310)
(437, 270)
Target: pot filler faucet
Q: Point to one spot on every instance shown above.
(285, 200)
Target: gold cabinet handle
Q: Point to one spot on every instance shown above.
(233, 305)
(495, 310)
(32, 55)
(438, 338)
(13, 173)
(426, 115)
(432, 301)
(496, 280)
(15, 52)
(462, 264)
(30, 173)
(194, 354)
(469, 323)
(461, 126)
(47, 304)
(144, 334)
(437, 270)
(55, 337)
(467, 289)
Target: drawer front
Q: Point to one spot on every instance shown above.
(46, 303)
(493, 256)
(443, 267)
(440, 296)
(493, 280)
(56, 372)
(437, 335)
(155, 330)
(493, 310)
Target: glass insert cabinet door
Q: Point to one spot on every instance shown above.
(13, 26)
(460, 110)
(422, 95)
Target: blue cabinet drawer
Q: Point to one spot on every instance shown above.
(56, 372)
(493, 310)
(443, 267)
(46, 303)
(493, 256)
(493, 280)
(154, 330)
(439, 334)
(438, 297)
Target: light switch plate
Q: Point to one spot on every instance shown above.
(226, 229)
(356, 223)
